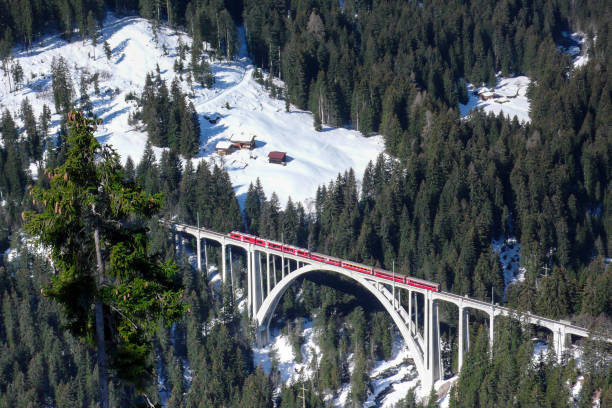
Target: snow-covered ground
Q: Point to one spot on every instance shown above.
(280, 347)
(574, 44)
(390, 380)
(508, 96)
(509, 252)
(314, 158)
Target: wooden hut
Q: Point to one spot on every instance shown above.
(277, 158)
(224, 148)
(243, 142)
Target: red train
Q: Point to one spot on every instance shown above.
(304, 253)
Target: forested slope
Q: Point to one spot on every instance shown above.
(433, 208)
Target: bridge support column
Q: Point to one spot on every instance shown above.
(491, 331)
(274, 269)
(260, 297)
(464, 335)
(249, 284)
(205, 256)
(199, 252)
(283, 267)
(254, 285)
(559, 340)
(433, 339)
(231, 262)
(268, 271)
(410, 324)
(223, 262)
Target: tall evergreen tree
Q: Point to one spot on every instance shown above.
(119, 299)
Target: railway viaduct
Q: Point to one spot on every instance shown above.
(418, 323)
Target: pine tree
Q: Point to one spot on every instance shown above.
(107, 50)
(129, 172)
(45, 120)
(317, 121)
(86, 104)
(29, 121)
(92, 30)
(17, 73)
(62, 85)
(119, 299)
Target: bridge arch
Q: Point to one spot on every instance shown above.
(267, 308)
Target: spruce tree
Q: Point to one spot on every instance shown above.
(117, 301)
(61, 84)
(92, 30)
(29, 121)
(107, 50)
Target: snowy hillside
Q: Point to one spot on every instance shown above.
(314, 158)
(575, 45)
(509, 96)
(390, 380)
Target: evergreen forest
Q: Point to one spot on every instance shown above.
(430, 206)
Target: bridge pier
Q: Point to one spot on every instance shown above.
(559, 340)
(491, 330)
(464, 336)
(268, 272)
(410, 325)
(199, 252)
(249, 285)
(205, 256)
(231, 261)
(223, 262)
(434, 363)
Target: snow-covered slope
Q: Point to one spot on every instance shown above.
(508, 96)
(390, 380)
(314, 157)
(574, 44)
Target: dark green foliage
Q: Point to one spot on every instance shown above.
(34, 142)
(62, 85)
(107, 50)
(510, 377)
(84, 215)
(177, 127)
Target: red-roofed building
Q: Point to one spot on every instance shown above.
(277, 157)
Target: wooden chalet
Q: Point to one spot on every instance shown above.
(277, 158)
(486, 95)
(224, 148)
(243, 142)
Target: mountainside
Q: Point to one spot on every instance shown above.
(314, 158)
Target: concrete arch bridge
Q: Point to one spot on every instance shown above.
(266, 286)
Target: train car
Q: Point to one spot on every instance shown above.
(303, 253)
(236, 235)
(389, 276)
(288, 250)
(357, 268)
(317, 257)
(434, 287)
(275, 245)
(332, 261)
(260, 242)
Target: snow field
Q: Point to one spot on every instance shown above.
(509, 252)
(509, 96)
(390, 380)
(314, 158)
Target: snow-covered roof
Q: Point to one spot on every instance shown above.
(223, 145)
(242, 139)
